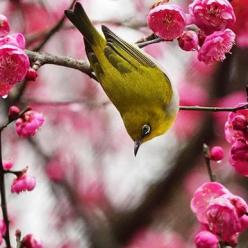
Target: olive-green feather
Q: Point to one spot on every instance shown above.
(126, 50)
(80, 19)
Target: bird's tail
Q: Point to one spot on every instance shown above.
(81, 21)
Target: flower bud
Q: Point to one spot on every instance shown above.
(31, 74)
(188, 41)
(216, 153)
(206, 239)
(13, 112)
(7, 165)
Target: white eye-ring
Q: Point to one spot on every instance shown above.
(146, 129)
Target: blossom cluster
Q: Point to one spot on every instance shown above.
(206, 28)
(29, 123)
(14, 63)
(22, 181)
(236, 133)
(222, 215)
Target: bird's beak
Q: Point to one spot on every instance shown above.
(137, 144)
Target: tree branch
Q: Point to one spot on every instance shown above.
(46, 58)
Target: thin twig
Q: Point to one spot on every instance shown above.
(18, 239)
(214, 109)
(53, 30)
(208, 162)
(147, 42)
(3, 197)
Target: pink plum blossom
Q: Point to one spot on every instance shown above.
(4, 26)
(216, 45)
(203, 196)
(23, 183)
(188, 40)
(212, 15)
(167, 21)
(206, 239)
(236, 125)
(239, 156)
(229, 100)
(206, 194)
(29, 241)
(14, 66)
(216, 153)
(222, 218)
(29, 123)
(219, 211)
(239, 204)
(236, 133)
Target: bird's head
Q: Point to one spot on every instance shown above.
(143, 124)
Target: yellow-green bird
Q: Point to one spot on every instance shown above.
(133, 81)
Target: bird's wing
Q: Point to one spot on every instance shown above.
(124, 50)
(150, 80)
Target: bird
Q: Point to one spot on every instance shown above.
(133, 81)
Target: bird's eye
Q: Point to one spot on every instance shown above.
(146, 129)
